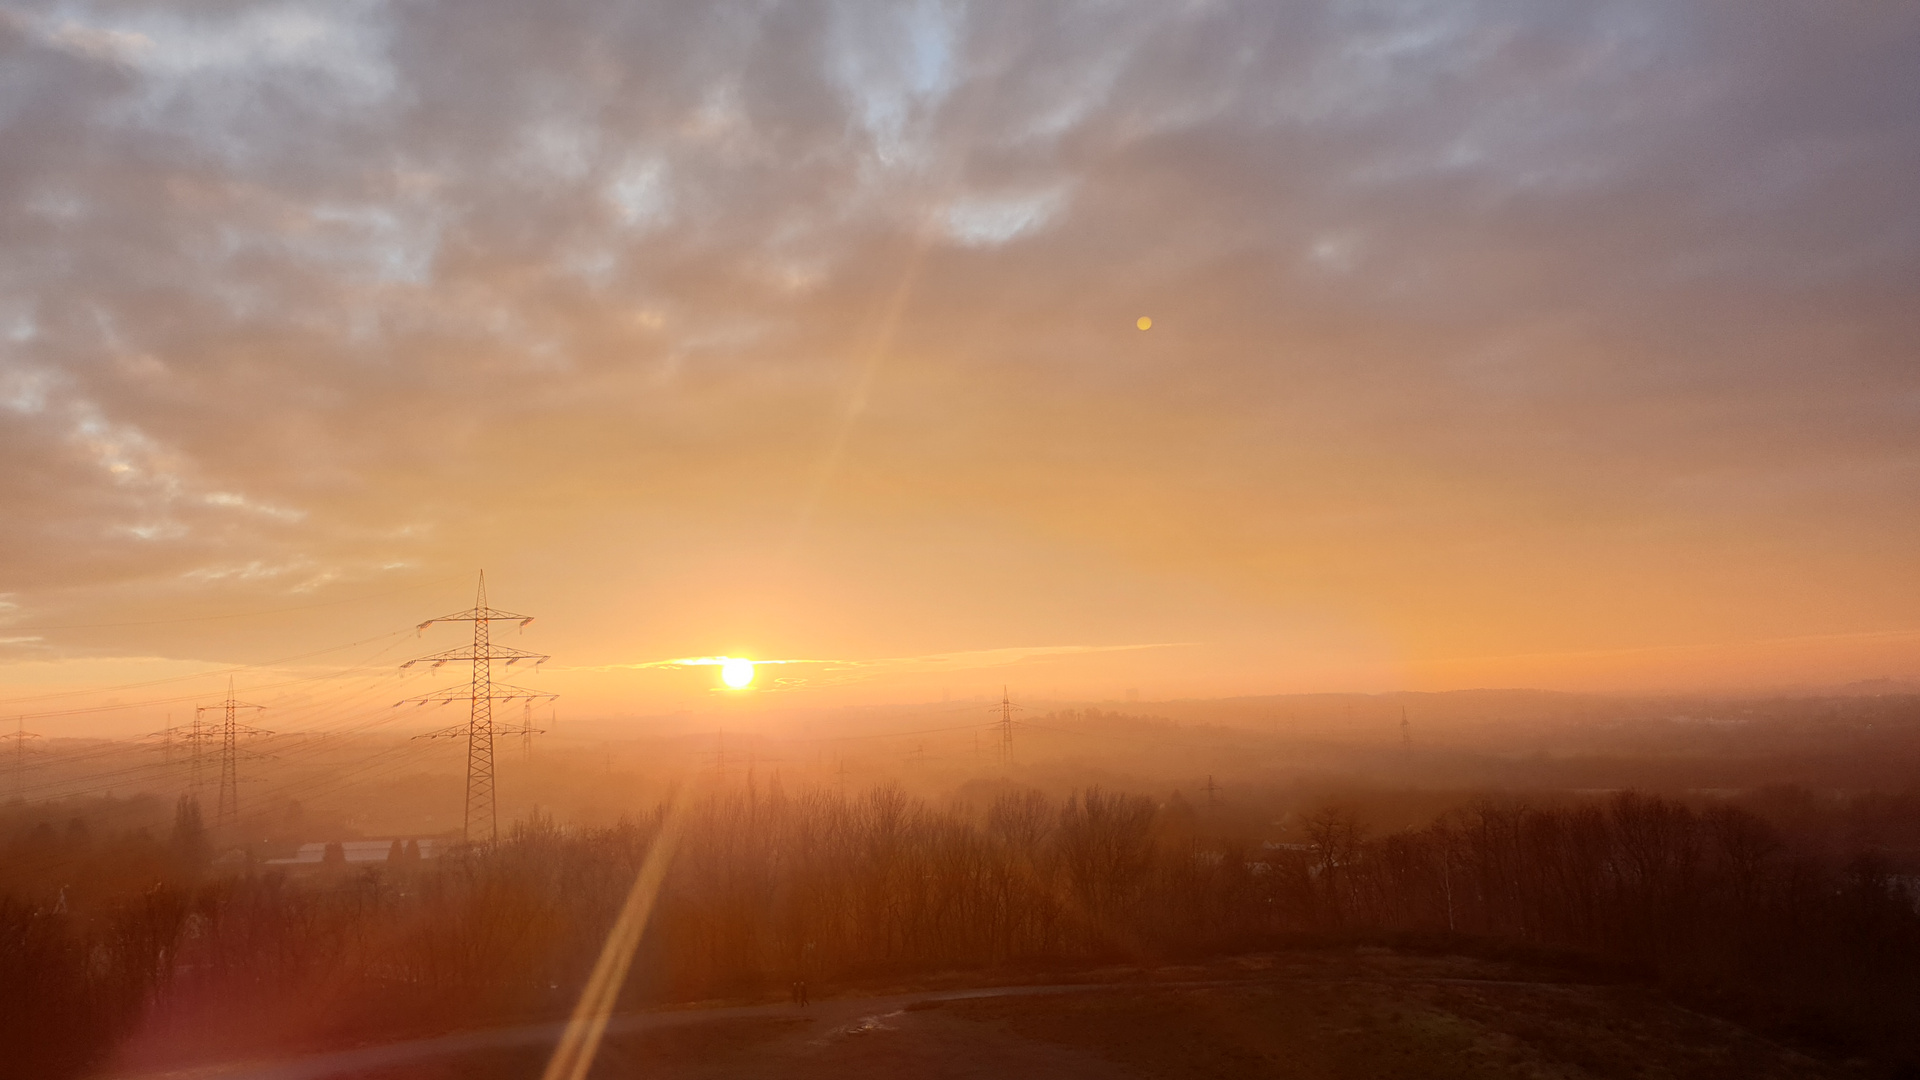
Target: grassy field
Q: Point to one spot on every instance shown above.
(1389, 1024)
(1366, 1013)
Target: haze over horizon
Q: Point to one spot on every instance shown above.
(1492, 344)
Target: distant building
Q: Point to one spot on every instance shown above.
(358, 852)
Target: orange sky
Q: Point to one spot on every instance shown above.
(1561, 345)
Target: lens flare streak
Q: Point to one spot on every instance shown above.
(573, 1057)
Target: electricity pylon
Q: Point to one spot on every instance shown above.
(1406, 730)
(197, 741)
(165, 735)
(20, 735)
(481, 692)
(229, 734)
(1006, 709)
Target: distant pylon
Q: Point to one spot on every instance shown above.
(1406, 731)
(230, 731)
(1211, 789)
(165, 735)
(197, 739)
(1006, 709)
(481, 692)
(20, 735)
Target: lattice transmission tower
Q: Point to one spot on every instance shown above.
(229, 732)
(480, 692)
(1006, 709)
(20, 735)
(197, 738)
(190, 738)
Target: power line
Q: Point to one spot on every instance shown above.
(237, 614)
(198, 737)
(318, 786)
(229, 671)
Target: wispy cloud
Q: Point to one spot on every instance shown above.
(953, 661)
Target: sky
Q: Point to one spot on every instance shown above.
(1567, 345)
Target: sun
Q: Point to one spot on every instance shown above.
(736, 672)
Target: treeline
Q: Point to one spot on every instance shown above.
(770, 887)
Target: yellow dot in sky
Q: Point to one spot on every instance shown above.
(736, 672)
(1144, 323)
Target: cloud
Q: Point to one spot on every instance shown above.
(956, 661)
(798, 674)
(1458, 311)
(986, 222)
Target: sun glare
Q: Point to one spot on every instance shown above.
(736, 672)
